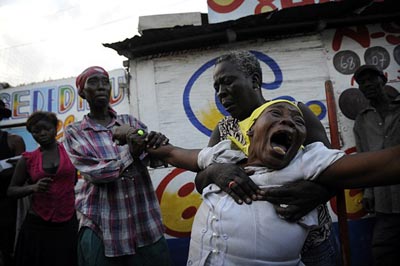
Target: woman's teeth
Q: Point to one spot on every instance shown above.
(279, 150)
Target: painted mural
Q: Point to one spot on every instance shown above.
(377, 45)
(223, 10)
(174, 94)
(294, 68)
(58, 96)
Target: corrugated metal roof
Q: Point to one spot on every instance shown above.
(271, 25)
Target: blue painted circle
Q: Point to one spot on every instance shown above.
(186, 94)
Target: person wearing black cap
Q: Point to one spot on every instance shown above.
(378, 127)
(10, 145)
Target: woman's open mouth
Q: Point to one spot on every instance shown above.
(281, 141)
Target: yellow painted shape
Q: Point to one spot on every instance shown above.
(223, 2)
(266, 9)
(316, 109)
(353, 202)
(172, 207)
(210, 117)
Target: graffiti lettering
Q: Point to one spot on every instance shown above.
(346, 62)
(264, 6)
(62, 125)
(117, 94)
(66, 99)
(377, 56)
(224, 6)
(260, 6)
(57, 99)
(290, 3)
(360, 35)
(17, 104)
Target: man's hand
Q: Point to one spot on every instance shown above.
(155, 140)
(232, 179)
(294, 200)
(120, 134)
(136, 140)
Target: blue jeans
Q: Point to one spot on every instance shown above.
(326, 254)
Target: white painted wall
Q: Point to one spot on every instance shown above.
(159, 86)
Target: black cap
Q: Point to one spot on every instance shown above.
(369, 68)
(4, 112)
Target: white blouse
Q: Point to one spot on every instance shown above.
(226, 233)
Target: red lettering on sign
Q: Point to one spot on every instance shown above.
(215, 6)
(264, 6)
(289, 3)
(360, 35)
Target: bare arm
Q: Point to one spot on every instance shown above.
(176, 156)
(243, 190)
(378, 168)
(204, 177)
(18, 187)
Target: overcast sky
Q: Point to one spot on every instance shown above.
(53, 39)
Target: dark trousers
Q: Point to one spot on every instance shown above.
(91, 253)
(386, 240)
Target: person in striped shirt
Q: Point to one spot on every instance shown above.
(120, 218)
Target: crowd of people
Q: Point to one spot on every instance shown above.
(265, 178)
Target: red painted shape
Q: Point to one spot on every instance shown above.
(186, 189)
(224, 8)
(264, 3)
(392, 39)
(186, 213)
(360, 35)
(164, 183)
(189, 212)
(377, 35)
(290, 3)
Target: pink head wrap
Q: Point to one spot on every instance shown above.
(81, 79)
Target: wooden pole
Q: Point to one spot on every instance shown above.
(340, 196)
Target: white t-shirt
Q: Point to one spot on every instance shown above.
(225, 233)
